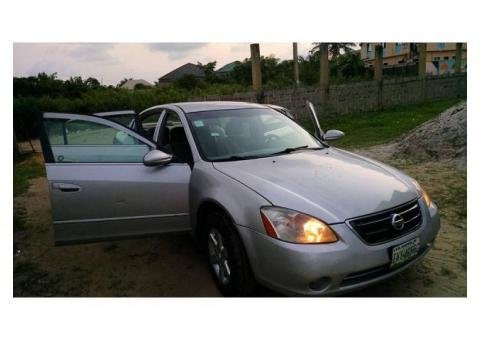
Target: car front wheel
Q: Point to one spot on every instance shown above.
(227, 258)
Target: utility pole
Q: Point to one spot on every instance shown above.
(256, 71)
(324, 73)
(296, 74)
(379, 74)
(422, 67)
(458, 58)
(422, 60)
(378, 62)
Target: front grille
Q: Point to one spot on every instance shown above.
(377, 228)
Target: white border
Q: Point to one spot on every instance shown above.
(219, 21)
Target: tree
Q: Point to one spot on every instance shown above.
(75, 86)
(309, 67)
(274, 73)
(347, 65)
(209, 70)
(92, 83)
(140, 87)
(42, 84)
(187, 82)
(334, 49)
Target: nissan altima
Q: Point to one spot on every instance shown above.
(268, 202)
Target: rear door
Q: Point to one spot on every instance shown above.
(99, 186)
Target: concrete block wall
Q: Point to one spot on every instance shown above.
(361, 96)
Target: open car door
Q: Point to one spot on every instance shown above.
(99, 186)
(316, 124)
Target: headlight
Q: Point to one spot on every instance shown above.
(292, 226)
(423, 193)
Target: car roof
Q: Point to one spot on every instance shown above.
(190, 107)
(113, 113)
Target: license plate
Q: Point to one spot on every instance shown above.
(405, 252)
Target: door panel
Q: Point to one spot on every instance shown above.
(118, 200)
(99, 186)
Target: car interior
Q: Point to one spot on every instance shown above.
(172, 139)
(229, 136)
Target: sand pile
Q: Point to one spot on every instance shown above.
(442, 138)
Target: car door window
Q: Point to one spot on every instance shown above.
(84, 141)
(148, 122)
(125, 120)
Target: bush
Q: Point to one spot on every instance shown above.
(27, 109)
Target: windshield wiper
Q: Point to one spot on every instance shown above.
(284, 151)
(234, 158)
(289, 150)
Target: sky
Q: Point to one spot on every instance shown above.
(112, 62)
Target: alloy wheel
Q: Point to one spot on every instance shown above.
(218, 256)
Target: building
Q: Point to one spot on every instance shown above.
(187, 69)
(131, 84)
(226, 69)
(440, 56)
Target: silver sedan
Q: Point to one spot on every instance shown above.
(267, 201)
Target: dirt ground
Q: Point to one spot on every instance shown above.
(170, 265)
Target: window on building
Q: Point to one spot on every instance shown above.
(436, 58)
(445, 58)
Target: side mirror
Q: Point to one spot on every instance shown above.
(156, 157)
(333, 135)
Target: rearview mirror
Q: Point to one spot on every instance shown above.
(156, 157)
(333, 135)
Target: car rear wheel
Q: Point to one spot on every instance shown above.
(227, 258)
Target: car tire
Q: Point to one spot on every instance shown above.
(240, 280)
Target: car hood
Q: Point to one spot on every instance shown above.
(331, 184)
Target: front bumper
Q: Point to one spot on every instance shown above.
(330, 269)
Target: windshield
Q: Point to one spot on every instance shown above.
(247, 133)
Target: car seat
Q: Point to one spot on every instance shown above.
(179, 145)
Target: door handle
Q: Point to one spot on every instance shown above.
(66, 187)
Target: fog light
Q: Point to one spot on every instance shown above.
(320, 284)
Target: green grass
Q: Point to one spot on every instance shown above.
(379, 127)
(19, 220)
(31, 280)
(24, 169)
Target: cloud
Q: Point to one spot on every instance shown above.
(93, 52)
(175, 51)
(110, 63)
(49, 67)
